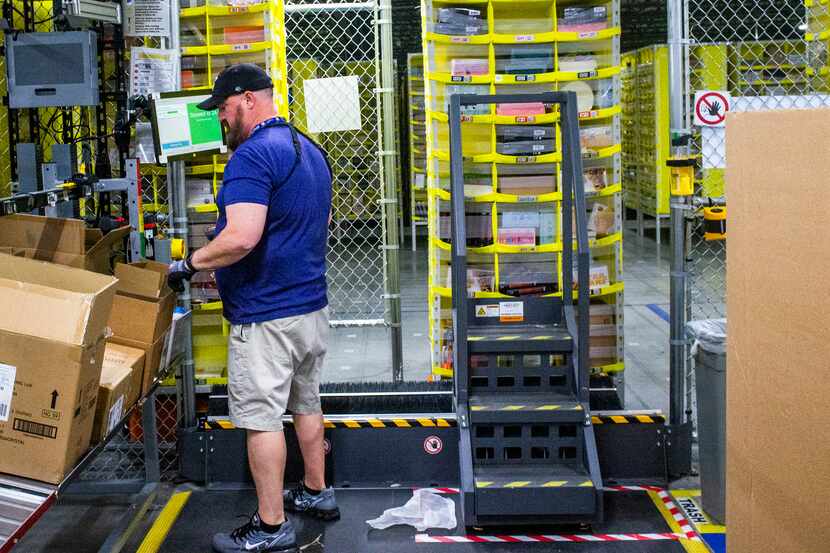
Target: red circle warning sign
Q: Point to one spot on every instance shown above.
(433, 445)
(711, 108)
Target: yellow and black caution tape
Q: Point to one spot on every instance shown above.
(629, 419)
(534, 484)
(224, 424)
(534, 407)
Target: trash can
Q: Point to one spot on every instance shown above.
(710, 386)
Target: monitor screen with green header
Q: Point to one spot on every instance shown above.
(180, 129)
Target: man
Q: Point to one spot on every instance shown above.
(269, 256)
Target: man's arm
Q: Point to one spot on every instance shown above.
(246, 222)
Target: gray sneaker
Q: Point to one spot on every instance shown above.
(251, 537)
(322, 505)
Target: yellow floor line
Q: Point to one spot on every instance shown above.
(689, 545)
(164, 522)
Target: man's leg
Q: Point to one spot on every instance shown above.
(266, 456)
(310, 435)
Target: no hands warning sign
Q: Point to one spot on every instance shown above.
(711, 107)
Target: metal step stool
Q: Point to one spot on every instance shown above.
(527, 448)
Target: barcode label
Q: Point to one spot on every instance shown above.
(36, 428)
(7, 374)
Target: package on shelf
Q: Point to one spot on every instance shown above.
(526, 147)
(513, 133)
(595, 179)
(470, 66)
(539, 219)
(579, 19)
(203, 287)
(584, 57)
(192, 32)
(528, 179)
(517, 236)
(601, 221)
(592, 94)
(460, 22)
(524, 109)
(524, 59)
(444, 91)
(194, 71)
(199, 192)
(480, 280)
(598, 277)
(527, 274)
(243, 34)
(595, 137)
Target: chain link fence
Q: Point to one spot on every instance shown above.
(760, 52)
(335, 44)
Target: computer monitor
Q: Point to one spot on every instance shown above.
(180, 129)
(52, 69)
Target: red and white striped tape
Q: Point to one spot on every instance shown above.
(546, 538)
(445, 491)
(632, 489)
(678, 515)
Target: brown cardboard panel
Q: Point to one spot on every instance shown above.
(43, 233)
(131, 358)
(778, 374)
(114, 390)
(143, 279)
(152, 358)
(64, 241)
(52, 408)
(52, 301)
(141, 320)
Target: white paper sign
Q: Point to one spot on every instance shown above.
(332, 104)
(7, 374)
(511, 311)
(147, 17)
(115, 414)
(153, 70)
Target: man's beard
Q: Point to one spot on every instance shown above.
(234, 134)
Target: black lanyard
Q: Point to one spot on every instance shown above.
(295, 139)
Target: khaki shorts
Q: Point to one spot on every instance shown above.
(274, 366)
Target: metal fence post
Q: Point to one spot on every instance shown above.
(677, 310)
(386, 89)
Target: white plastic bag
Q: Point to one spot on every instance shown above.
(425, 510)
(710, 334)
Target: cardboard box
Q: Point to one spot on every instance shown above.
(130, 358)
(51, 349)
(152, 358)
(63, 241)
(143, 308)
(114, 391)
(778, 375)
(145, 279)
(54, 302)
(48, 421)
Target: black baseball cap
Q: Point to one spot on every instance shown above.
(236, 79)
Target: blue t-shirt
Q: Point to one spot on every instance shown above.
(285, 274)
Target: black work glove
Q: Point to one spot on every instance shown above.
(178, 272)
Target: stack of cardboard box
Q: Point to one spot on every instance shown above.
(52, 340)
(142, 311)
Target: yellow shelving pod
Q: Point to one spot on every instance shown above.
(417, 145)
(213, 36)
(646, 147)
(512, 185)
